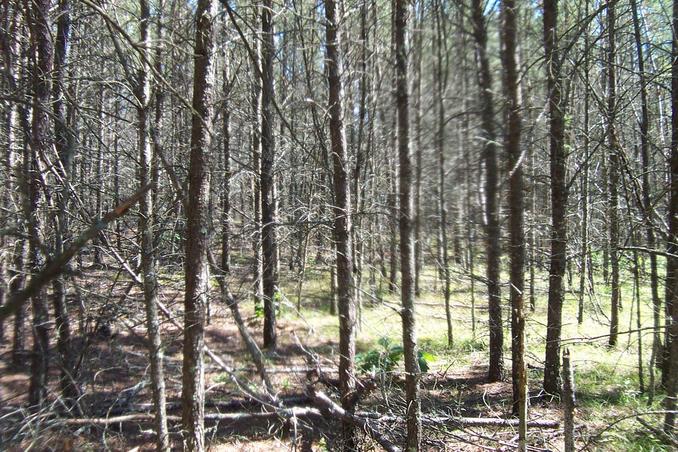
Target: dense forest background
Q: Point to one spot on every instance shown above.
(425, 225)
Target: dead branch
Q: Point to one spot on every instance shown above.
(463, 422)
(57, 265)
(334, 411)
(298, 412)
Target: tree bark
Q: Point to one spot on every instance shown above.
(614, 169)
(342, 217)
(406, 232)
(440, 85)
(492, 227)
(268, 194)
(558, 258)
(41, 39)
(645, 165)
(146, 225)
(516, 204)
(197, 241)
(672, 248)
(226, 184)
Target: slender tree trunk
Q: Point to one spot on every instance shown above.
(41, 39)
(406, 232)
(614, 170)
(419, 149)
(516, 222)
(489, 137)
(268, 194)
(226, 194)
(558, 262)
(16, 282)
(197, 240)
(342, 217)
(258, 288)
(146, 224)
(65, 145)
(440, 84)
(672, 260)
(647, 201)
(583, 267)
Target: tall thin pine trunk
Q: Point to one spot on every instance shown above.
(342, 216)
(406, 231)
(146, 225)
(516, 223)
(41, 39)
(650, 238)
(269, 246)
(492, 228)
(614, 170)
(557, 157)
(440, 85)
(672, 260)
(197, 240)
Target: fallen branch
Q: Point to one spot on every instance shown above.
(462, 422)
(666, 439)
(298, 412)
(334, 411)
(57, 265)
(293, 400)
(250, 344)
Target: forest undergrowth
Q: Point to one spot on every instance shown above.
(115, 377)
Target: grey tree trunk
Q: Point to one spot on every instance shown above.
(406, 232)
(441, 75)
(258, 288)
(269, 243)
(650, 238)
(64, 142)
(197, 240)
(557, 157)
(41, 39)
(516, 222)
(226, 184)
(342, 217)
(492, 230)
(146, 224)
(672, 260)
(614, 170)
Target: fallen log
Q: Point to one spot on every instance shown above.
(286, 413)
(295, 400)
(462, 422)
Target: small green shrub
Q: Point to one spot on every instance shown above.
(385, 358)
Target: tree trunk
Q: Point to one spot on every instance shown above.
(197, 240)
(614, 169)
(64, 142)
(558, 198)
(647, 201)
(146, 224)
(517, 242)
(268, 195)
(419, 150)
(41, 39)
(672, 260)
(342, 217)
(440, 85)
(406, 232)
(255, 137)
(226, 185)
(492, 232)
(583, 266)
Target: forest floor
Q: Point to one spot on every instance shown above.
(115, 372)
